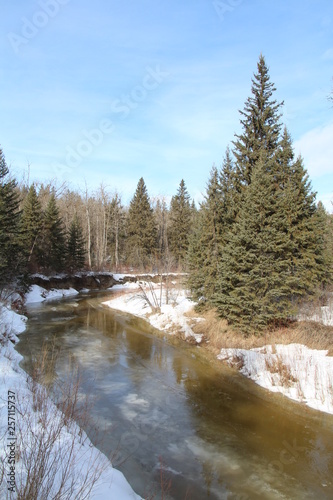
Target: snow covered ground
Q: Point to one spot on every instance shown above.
(296, 371)
(171, 313)
(15, 388)
(322, 314)
(39, 294)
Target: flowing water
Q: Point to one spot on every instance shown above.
(165, 409)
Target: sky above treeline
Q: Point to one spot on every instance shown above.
(111, 91)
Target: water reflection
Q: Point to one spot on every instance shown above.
(217, 434)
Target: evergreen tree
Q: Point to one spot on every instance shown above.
(304, 223)
(325, 220)
(31, 225)
(255, 286)
(162, 220)
(75, 249)
(117, 230)
(215, 219)
(52, 247)
(273, 254)
(261, 125)
(181, 214)
(11, 259)
(141, 228)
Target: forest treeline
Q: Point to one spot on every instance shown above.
(255, 246)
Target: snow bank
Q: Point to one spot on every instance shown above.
(302, 374)
(322, 314)
(170, 316)
(111, 484)
(11, 322)
(38, 294)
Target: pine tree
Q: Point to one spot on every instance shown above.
(117, 230)
(11, 255)
(261, 125)
(75, 248)
(52, 247)
(141, 228)
(31, 225)
(180, 217)
(255, 286)
(162, 220)
(324, 222)
(273, 254)
(216, 216)
(304, 223)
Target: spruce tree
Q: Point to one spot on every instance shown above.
(261, 124)
(11, 256)
(117, 230)
(75, 248)
(180, 217)
(273, 254)
(162, 221)
(255, 286)
(52, 247)
(216, 216)
(328, 245)
(305, 225)
(141, 228)
(31, 225)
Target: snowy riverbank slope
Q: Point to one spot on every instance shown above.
(171, 307)
(302, 374)
(86, 461)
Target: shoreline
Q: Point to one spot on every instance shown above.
(302, 374)
(87, 460)
(306, 374)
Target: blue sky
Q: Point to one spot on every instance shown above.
(109, 91)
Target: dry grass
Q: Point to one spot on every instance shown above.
(278, 367)
(54, 455)
(219, 335)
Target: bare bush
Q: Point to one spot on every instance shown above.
(149, 295)
(54, 457)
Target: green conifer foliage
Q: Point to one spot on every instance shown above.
(255, 285)
(261, 124)
(11, 260)
(141, 228)
(181, 216)
(75, 249)
(52, 247)
(216, 216)
(31, 225)
(328, 245)
(304, 224)
(273, 253)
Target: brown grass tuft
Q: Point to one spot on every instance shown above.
(219, 335)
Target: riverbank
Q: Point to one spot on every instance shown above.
(89, 471)
(280, 362)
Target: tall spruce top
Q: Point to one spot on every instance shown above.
(261, 124)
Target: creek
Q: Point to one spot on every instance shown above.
(165, 409)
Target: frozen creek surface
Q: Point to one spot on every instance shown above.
(163, 409)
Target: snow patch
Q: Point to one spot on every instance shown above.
(323, 315)
(111, 484)
(168, 317)
(300, 373)
(38, 294)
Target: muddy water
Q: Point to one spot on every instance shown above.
(163, 409)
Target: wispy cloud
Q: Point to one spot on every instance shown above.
(316, 147)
